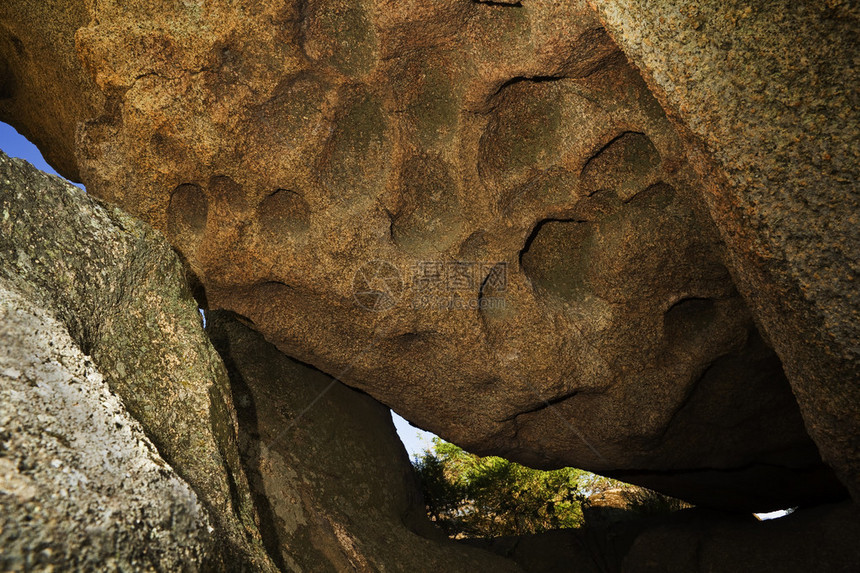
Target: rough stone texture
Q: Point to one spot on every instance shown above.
(331, 478)
(119, 289)
(818, 540)
(283, 145)
(766, 96)
(44, 91)
(81, 486)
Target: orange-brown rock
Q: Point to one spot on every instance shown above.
(475, 212)
(44, 91)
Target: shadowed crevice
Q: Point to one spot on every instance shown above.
(249, 453)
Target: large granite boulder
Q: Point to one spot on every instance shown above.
(119, 290)
(81, 486)
(332, 481)
(765, 95)
(99, 328)
(478, 216)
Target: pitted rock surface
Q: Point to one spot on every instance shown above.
(765, 95)
(475, 212)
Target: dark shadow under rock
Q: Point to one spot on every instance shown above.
(822, 539)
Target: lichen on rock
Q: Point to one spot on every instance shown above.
(121, 292)
(81, 485)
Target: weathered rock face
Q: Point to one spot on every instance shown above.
(505, 189)
(44, 90)
(766, 96)
(119, 290)
(330, 476)
(81, 486)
